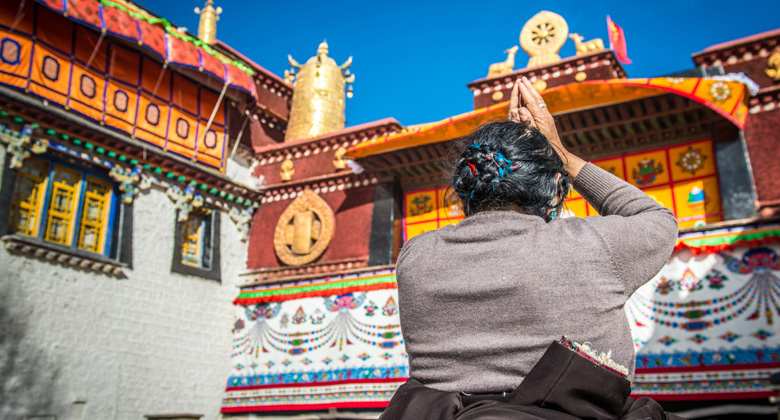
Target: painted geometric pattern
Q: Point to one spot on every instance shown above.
(682, 178)
(705, 327)
(316, 352)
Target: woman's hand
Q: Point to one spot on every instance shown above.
(527, 106)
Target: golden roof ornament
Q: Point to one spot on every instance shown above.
(318, 100)
(207, 28)
(542, 37)
(498, 69)
(595, 44)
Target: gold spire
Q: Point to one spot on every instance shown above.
(207, 29)
(318, 99)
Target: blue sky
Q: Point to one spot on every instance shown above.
(412, 59)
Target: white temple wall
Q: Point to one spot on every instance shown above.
(81, 345)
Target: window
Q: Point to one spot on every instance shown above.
(196, 245)
(63, 205)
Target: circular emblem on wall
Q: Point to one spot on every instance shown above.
(691, 160)
(304, 229)
(720, 91)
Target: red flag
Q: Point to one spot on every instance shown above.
(617, 41)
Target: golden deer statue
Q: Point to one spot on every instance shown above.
(596, 44)
(506, 66)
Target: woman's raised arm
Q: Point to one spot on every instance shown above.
(527, 106)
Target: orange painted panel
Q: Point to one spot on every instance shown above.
(89, 46)
(420, 206)
(14, 59)
(185, 94)
(613, 166)
(120, 104)
(418, 228)
(86, 93)
(152, 120)
(211, 143)
(449, 205)
(124, 65)
(208, 101)
(647, 169)
(698, 201)
(692, 160)
(50, 75)
(211, 161)
(662, 195)
(183, 129)
(592, 211)
(577, 207)
(182, 150)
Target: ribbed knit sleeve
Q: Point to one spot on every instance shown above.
(640, 232)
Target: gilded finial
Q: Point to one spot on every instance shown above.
(319, 96)
(207, 28)
(542, 37)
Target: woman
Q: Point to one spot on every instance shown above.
(481, 301)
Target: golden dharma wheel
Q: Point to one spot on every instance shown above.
(543, 36)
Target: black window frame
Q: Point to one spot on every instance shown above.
(211, 255)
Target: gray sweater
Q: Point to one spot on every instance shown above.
(480, 301)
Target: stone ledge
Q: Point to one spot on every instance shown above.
(63, 256)
(312, 270)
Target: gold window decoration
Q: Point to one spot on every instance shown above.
(28, 196)
(94, 215)
(63, 198)
(192, 232)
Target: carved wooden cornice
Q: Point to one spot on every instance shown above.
(347, 137)
(313, 270)
(340, 181)
(599, 65)
(754, 47)
(767, 99)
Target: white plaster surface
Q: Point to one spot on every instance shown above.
(83, 346)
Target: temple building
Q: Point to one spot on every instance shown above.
(191, 236)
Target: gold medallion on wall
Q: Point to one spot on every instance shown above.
(304, 229)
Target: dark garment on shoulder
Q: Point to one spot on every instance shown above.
(561, 386)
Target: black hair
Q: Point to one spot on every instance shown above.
(506, 165)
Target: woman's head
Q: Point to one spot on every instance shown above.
(509, 166)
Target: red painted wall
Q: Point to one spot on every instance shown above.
(763, 143)
(353, 209)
